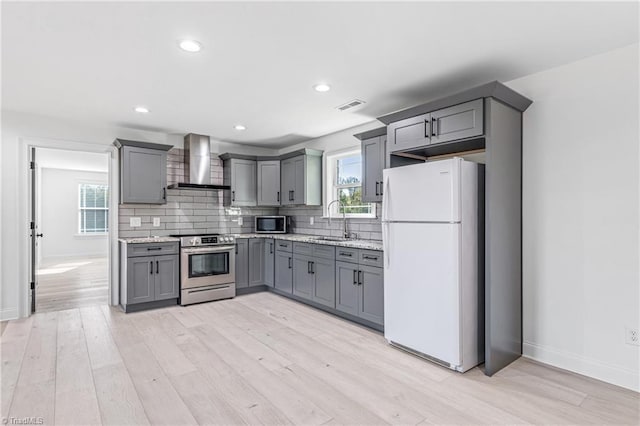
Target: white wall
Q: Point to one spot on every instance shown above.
(335, 141)
(581, 217)
(59, 215)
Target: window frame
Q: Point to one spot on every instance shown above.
(331, 187)
(82, 233)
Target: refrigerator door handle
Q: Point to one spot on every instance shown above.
(385, 222)
(385, 198)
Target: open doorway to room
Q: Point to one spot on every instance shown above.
(72, 216)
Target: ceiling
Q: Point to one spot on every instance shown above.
(95, 61)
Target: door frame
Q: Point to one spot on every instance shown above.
(24, 208)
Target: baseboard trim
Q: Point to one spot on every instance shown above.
(623, 377)
(8, 314)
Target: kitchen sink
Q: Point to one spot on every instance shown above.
(334, 239)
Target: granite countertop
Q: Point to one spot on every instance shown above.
(143, 240)
(315, 239)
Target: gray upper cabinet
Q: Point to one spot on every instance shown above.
(457, 122)
(301, 179)
(242, 263)
(240, 174)
(256, 262)
(373, 159)
(143, 172)
(269, 183)
(409, 133)
(166, 277)
(269, 261)
(283, 271)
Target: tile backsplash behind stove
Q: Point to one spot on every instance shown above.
(202, 211)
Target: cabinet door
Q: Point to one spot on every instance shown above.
(287, 183)
(372, 165)
(409, 133)
(300, 180)
(324, 275)
(347, 290)
(242, 263)
(302, 278)
(457, 122)
(140, 278)
(269, 183)
(371, 306)
(284, 271)
(256, 262)
(144, 175)
(166, 277)
(269, 261)
(243, 182)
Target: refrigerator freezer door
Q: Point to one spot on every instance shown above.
(421, 289)
(428, 192)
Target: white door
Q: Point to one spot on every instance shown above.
(426, 192)
(421, 288)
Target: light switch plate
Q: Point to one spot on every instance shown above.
(156, 221)
(240, 221)
(311, 220)
(134, 222)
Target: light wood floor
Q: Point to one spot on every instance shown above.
(263, 359)
(72, 283)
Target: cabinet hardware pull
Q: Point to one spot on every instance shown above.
(290, 262)
(278, 196)
(434, 132)
(154, 248)
(342, 253)
(381, 188)
(427, 130)
(370, 257)
(151, 267)
(313, 267)
(164, 194)
(157, 267)
(282, 245)
(308, 267)
(270, 248)
(233, 195)
(377, 190)
(355, 277)
(360, 277)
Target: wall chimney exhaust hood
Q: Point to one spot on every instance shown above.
(197, 164)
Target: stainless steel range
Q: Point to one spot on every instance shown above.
(207, 268)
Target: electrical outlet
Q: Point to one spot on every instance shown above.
(156, 221)
(311, 220)
(633, 338)
(240, 221)
(134, 222)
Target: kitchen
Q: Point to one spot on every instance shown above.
(293, 272)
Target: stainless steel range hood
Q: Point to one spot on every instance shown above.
(197, 164)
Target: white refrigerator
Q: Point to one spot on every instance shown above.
(432, 255)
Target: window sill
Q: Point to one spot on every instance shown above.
(101, 234)
(351, 216)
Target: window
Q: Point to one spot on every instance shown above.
(93, 215)
(343, 173)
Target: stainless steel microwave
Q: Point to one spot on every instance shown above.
(272, 224)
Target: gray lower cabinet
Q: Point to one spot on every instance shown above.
(324, 275)
(373, 160)
(143, 172)
(302, 277)
(314, 272)
(269, 261)
(256, 262)
(360, 286)
(269, 183)
(283, 271)
(242, 263)
(240, 174)
(457, 122)
(148, 278)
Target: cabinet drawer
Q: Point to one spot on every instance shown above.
(282, 245)
(303, 248)
(371, 257)
(347, 254)
(325, 252)
(152, 249)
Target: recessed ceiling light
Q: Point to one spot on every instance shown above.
(322, 87)
(141, 109)
(190, 46)
(239, 127)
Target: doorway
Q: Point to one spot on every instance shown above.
(70, 238)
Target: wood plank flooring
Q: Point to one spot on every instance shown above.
(72, 283)
(264, 359)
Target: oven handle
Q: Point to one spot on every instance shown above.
(202, 250)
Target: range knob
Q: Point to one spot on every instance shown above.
(194, 241)
(231, 239)
(227, 239)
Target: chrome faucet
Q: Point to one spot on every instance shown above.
(345, 234)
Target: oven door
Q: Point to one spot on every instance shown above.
(206, 266)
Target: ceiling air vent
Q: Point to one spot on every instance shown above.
(349, 105)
